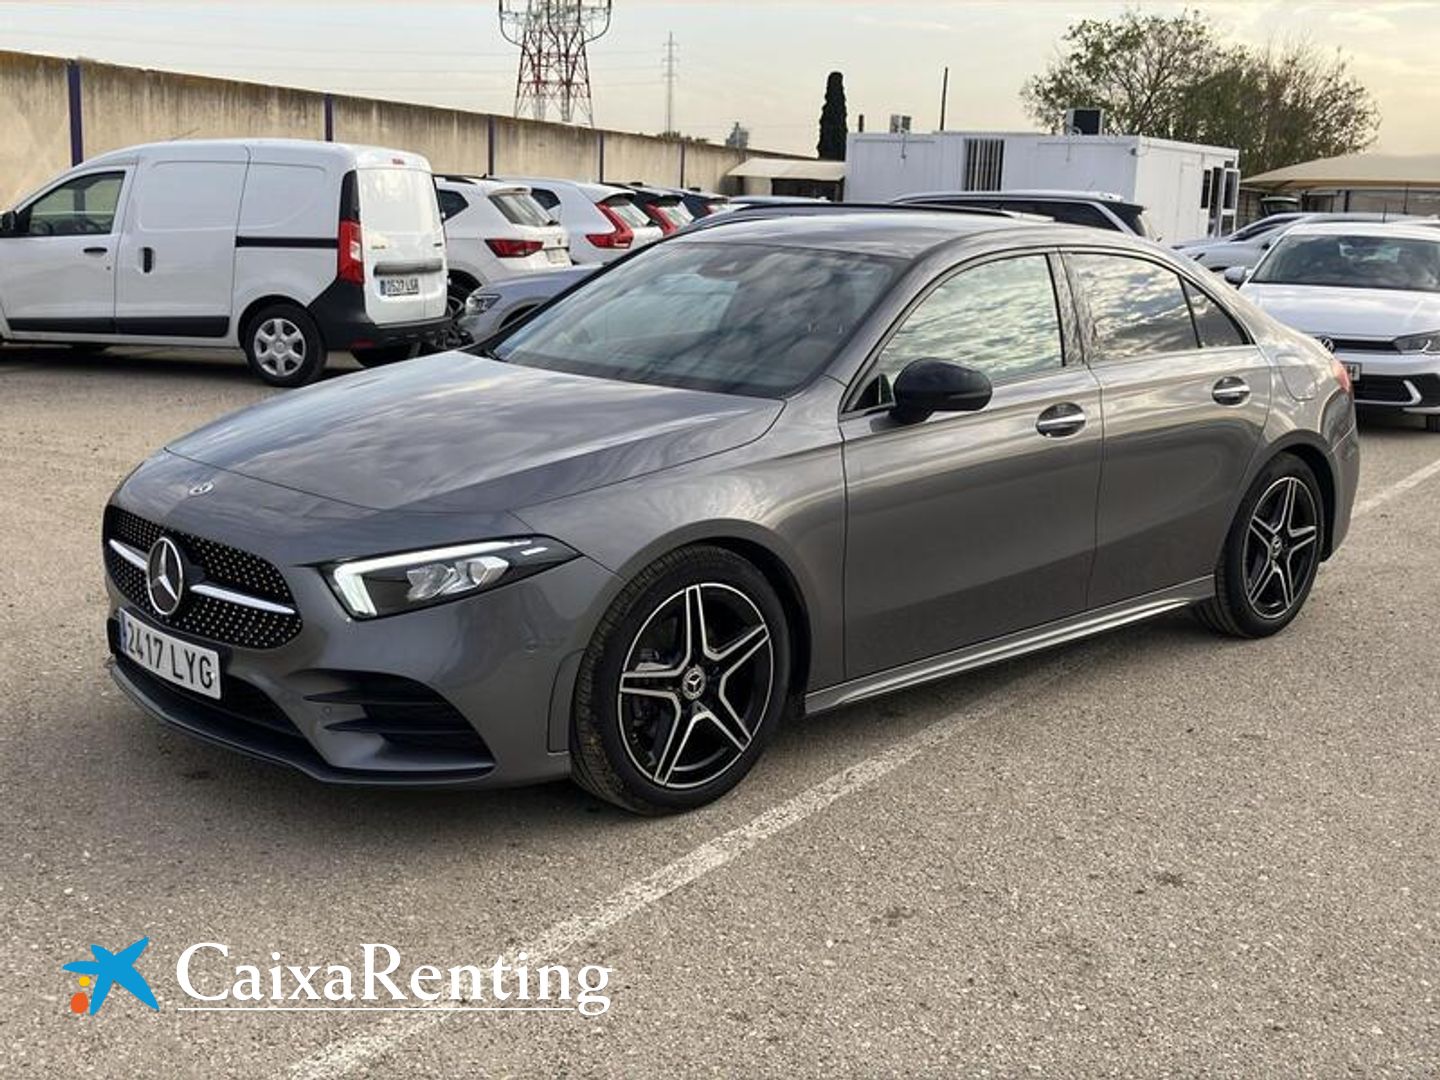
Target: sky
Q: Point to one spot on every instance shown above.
(761, 63)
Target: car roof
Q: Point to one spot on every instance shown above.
(586, 187)
(906, 233)
(1378, 229)
(487, 186)
(1052, 194)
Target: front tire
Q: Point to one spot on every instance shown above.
(683, 684)
(1272, 553)
(283, 346)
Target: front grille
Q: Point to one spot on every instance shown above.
(205, 616)
(1360, 345)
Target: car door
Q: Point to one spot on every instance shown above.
(1185, 397)
(968, 526)
(57, 264)
(175, 271)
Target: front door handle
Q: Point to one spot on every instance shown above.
(1231, 390)
(96, 250)
(1060, 420)
(147, 259)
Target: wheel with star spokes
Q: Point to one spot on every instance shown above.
(683, 684)
(1272, 553)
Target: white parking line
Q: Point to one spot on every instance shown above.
(351, 1052)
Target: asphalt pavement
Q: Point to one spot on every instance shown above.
(1156, 853)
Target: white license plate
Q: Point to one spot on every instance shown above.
(174, 660)
(1353, 370)
(399, 286)
(556, 255)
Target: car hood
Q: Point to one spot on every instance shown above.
(1357, 313)
(457, 433)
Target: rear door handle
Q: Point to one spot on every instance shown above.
(1059, 420)
(96, 250)
(1231, 390)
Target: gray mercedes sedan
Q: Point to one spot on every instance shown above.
(778, 464)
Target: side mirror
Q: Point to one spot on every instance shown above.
(931, 386)
(1237, 275)
(9, 223)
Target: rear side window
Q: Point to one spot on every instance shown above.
(548, 199)
(627, 211)
(520, 208)
(451, 203)
(1137, 308)
(1216, 329)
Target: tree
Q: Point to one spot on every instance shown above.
(833, 126)
(1173, 77)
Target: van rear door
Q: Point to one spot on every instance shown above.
(403, 242)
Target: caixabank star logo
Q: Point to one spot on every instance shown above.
(108, 969)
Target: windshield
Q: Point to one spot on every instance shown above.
(734, 318)
(1353, 262)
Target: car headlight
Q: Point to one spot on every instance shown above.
(477, 303)
(390, 584)
(1421, 343)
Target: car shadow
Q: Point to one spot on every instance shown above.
(220, 364)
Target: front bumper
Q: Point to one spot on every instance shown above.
(474, 693)
(1408, 382)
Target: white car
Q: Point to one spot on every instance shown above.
(495, 230)
(1371, 294)
(1245, 247)
(603, 221)
(284, 248)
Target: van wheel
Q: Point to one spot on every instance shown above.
(388, 355)
(283, 346)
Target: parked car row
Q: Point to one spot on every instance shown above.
(290, 249)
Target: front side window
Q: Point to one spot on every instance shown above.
(999, 317)
(1137, 308)
(84, 206)
(1353, 262)
(747, 319)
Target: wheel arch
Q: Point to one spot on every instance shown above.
(256, 306)
(1312, 451)
(463, 278)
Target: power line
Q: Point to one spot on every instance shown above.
(670, 83)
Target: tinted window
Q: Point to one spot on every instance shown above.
(734, 318)
(1000, 317)
(451, 203)
(547, 199)
(1355, 262)
(520, 208)
(1072, 214)
(1215, 328)
(1136, 307)
(81, 207)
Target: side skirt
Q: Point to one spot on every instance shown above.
(1010, 646)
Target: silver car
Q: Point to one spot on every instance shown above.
(776, 464)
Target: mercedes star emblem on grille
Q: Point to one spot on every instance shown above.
(164, 576)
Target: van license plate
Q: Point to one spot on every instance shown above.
(170, 658)
(399, 286)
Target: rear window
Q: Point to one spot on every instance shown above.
(627, 211)
(1135, 218)
(678, 213)
(398, 201)
(520, 208)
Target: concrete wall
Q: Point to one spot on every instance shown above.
(122, 106)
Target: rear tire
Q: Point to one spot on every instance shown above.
(1271, 555)
(283, 346)
(389, 354)
(667, 717)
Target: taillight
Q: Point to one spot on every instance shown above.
(622, 237)
(514, 249)
(657, 215)
(1342, 376)
(350, 265)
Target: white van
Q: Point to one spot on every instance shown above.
(284, 248)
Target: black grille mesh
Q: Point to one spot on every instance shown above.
(205, 616)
